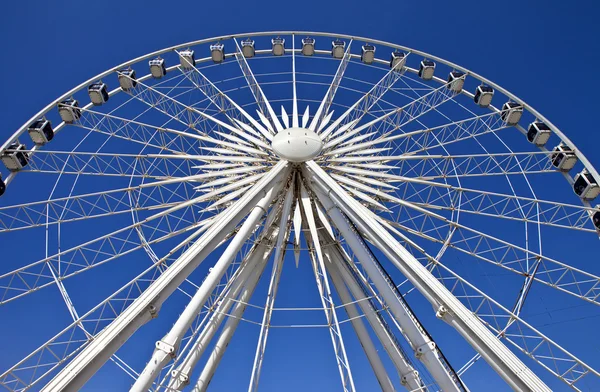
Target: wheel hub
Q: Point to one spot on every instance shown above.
(297, 144)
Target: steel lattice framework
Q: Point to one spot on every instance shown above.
(183, 191)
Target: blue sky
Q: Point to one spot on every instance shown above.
(542, 51)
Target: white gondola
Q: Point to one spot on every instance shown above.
(187, 59)
(69, 110)
(512, 112)
(217, 52)
(585, 185)
(368, 54)
(248, 48)
(98, 93)
(426, 69)
(127, 79)
(308, 46)
(538, 133)
(397, 60)
(563, 157)
(456, 81)
(337, 48)
(41, 131)
(15, 157)
(595, 217)
(483, 96)
(158, 69)
(2, 186)
(278, 45)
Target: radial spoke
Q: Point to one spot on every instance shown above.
(317, 122)
(364, 104)
(396, 118)
(233, 111)
(261, 100)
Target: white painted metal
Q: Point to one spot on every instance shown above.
(408, 375)
(360, 160)
(77, 372)
(297, 144)
(167, 347)
(280, 249)
(425, 349)
(263, 251)
(500, 358)
(359, 328)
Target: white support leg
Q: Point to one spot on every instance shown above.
(263, 251)
(282, 238)
(181, 375)
(359, 326)
(425, 349)
(408, 376)
(316, 255)
(76, 373)
(167, 347)
(449, 308)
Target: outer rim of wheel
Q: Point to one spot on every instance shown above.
(586, 163)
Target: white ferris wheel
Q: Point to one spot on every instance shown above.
(277, 189)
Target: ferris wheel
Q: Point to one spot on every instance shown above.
(396, 215)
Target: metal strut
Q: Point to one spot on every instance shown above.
(449, 308)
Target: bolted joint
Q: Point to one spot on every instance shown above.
(411, 375)
(182, 378)
(166, 348)
(153, 310)
(441, 312)
(421, 350)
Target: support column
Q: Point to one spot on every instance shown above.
(167, 347)
(181, 375)
(81, 368)
(449, 308)
(359, 327)
(263, 251)
(409, 376)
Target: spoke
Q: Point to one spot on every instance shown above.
(160, 194)
(506, 255)
(422, 140)
(233, 111)
(435, 167)
(433, 195)
(151, 166)
(177, 111)
(261, 100)
(317, 122)
(295, 120)
(364, 104)
(162, 138)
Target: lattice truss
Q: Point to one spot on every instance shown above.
(165, 222)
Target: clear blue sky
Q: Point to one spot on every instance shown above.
(545, 52)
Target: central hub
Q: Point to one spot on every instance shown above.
(297, 144)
